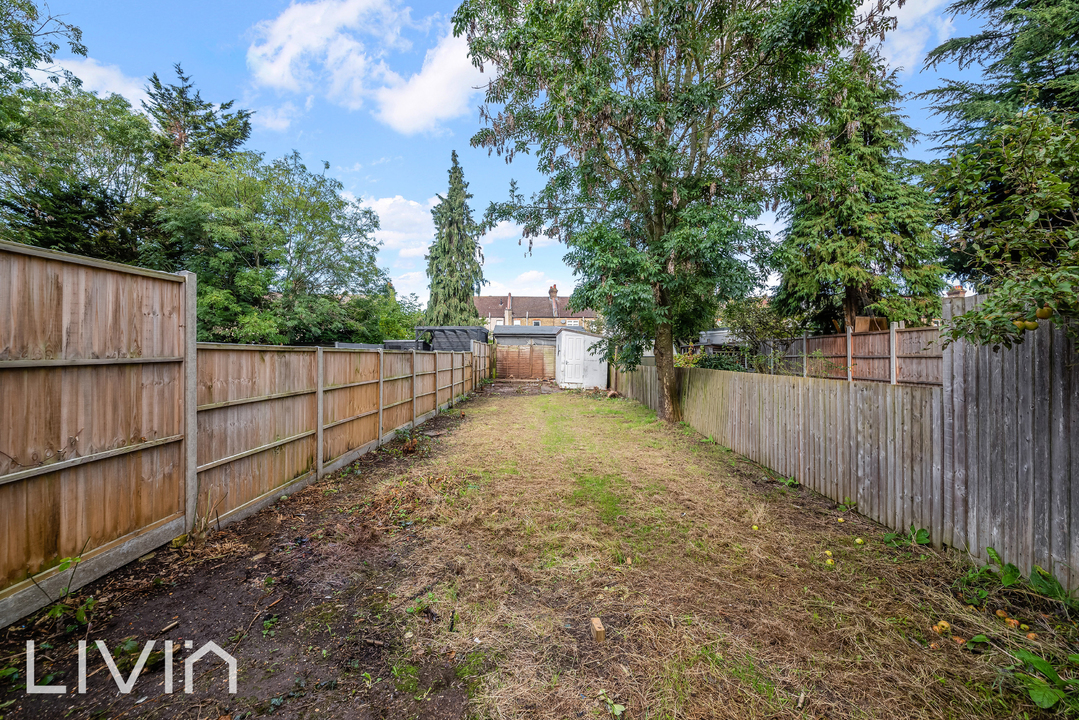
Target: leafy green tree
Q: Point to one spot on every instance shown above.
(71, 180)
(188, 126)
(1012, 203)
(860, 229)
(398, 317)
(1029, 54)
(455, 261)
(656, 124)
(29, 38)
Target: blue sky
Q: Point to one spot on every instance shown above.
(383, 92)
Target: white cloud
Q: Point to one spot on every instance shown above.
(277, 119)
(334, 45)
(505, 230)
(412, 282)
(921, 26)
(534, 283)
(405, 225)
(443, 89)
(106, 79)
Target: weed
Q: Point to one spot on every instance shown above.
(912, 538)
(406, 677)
(612, 707)
(268, 626)
(789, 481)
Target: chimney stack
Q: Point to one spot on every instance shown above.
(508, 319)
(553, 292)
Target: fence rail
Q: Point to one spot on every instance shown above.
(989, 459)
(121, 432)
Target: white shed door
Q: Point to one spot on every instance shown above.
(573, 358)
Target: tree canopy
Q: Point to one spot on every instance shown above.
(455, 260)
(1029, 54)
(655, 124)
(859, 237)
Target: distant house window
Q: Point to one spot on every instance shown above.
(516, 322)
(573, 323)
(535, 323)
(500, 322)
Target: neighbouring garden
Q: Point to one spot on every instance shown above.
(455, 574)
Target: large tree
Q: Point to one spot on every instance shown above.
(187, 125)
(655, 122)
(455, 261)
(1029, 54)
(1011, 203)
(860, 227)
(71, 179)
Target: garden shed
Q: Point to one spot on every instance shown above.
(525, 352)
(576, 365)
(452, 338)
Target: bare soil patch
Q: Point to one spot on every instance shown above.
(459, 580)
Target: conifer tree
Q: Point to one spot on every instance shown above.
(455, 262)
(860, 233)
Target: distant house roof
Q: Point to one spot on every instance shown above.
(533, 307)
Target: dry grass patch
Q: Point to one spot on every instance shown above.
(576, 507)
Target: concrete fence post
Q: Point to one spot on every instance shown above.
(320, 382)
(191, 412)
(850, 364)
(893, 363)
(805, 354)
(381, 374)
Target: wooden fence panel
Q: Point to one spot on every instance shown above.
(396, 391)
(257, 423)
(350, 405)
(92, 373)
(919, 356)
(426, 383)
(870, 355)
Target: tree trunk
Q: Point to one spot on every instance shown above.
(850, 305)
(670, 408)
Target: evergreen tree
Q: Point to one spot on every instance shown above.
(860, 234)
(455, 264)
(1029, 52)
(190, 126)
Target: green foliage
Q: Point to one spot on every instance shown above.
(1045, 683)
(653, 125)
(708, 362)
(455, 261)
(1012, 204)
(189, 126)
(911, 538)
(859, 237)
(1024, 45)
(71, 177)
(765, 332)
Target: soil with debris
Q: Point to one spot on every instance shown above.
(456, 573)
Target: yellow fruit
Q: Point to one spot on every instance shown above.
(1001, 614)
(755, 527)
(933, 646)
(1030, 324)
(830, 561)
(1044, 313)
(828, 553)
(1012, 622)
(840, 519)
(937, 629)
(1024, 628)
(859, 541)
(943, 624)
(1019, 324)
(959, 640)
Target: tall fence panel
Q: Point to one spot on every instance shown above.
(1011, 423)
(121, 433)
(989, 459)
(257, 409)
(92, 373)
